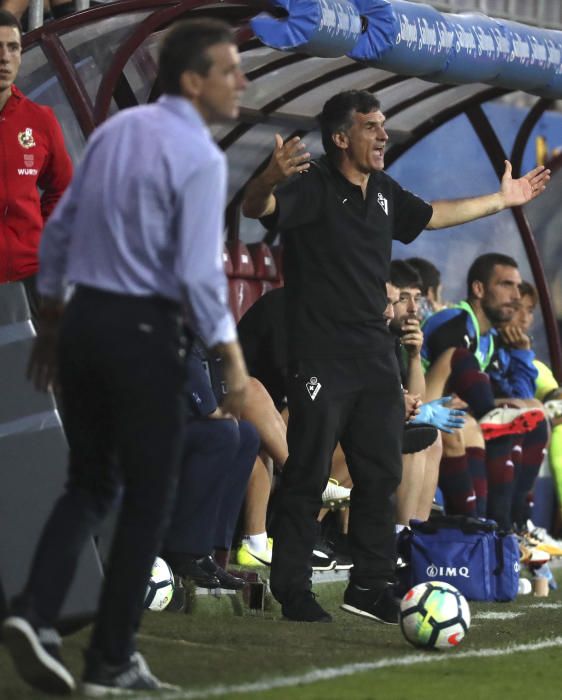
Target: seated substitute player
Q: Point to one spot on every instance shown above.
(219, 455)
(431, 289)
(420, 469)
(459, 344)
(548, 390)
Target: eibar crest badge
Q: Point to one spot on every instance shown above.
(313, 386)
(383, 202)
(26, 138)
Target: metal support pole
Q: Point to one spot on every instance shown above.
(35, 14)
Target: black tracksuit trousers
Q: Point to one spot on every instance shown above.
(358, 403)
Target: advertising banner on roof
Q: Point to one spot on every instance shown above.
(417, 40)
(326, 28)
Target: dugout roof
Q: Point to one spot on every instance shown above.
(96, 62)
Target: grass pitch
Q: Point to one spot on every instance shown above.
(513, 650)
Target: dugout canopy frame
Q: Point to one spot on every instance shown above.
(94, 63)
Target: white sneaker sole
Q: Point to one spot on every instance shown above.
(93, 690)
(521, 424)
(343, 567)
(33, 663)
(329, 567)
(363, 613)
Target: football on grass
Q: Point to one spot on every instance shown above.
(434, 615)
(160, 587)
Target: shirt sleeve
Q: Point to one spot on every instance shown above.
(296, 201)
(546, 382)
(443, 330)
(411, 214)
(56, 238)
(513, 373)
(56, 176)
(199, 264)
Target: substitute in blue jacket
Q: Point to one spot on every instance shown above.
(514, 374)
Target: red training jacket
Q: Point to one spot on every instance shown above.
(32, 156)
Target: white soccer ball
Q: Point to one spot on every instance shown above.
(434, 615)
(160, 587)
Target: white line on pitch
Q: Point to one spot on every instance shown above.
(324, 674)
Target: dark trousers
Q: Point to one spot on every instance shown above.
(360, 404)
(33, 299)
(219, 457)
(3, 604)
(122, 373)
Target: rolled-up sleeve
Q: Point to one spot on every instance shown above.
(199, 264)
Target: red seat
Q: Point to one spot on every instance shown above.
(242, 294)
(227, 261)
(264, 267)
(264, 264)
(242, 286)
(242, 264)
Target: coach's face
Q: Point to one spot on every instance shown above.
(217, 93)
(10, 56)
(365, 141)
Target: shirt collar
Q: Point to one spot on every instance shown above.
(184, 109)
(15, 97)
(343, 181)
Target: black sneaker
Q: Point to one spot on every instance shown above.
(343, 562)
(323, 558)
(376, 604)
(36, 655)
(189, 567)
(226, 580)
(101, 679)
(304, 608)
(342, 554)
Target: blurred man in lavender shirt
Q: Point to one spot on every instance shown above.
(139, 234)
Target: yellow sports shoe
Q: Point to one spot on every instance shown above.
(530, 554)
(247, 556)
(542, 540)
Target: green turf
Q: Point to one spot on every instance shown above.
(216, 647)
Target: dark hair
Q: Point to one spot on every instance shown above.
(482, 268)
(526, 289)
(430, 275)
(185, 48)
(7, 19)
(337, 114)
(402, 274)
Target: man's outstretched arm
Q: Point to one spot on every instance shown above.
(512, 193)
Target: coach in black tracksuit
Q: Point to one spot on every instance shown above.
(338, 220)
